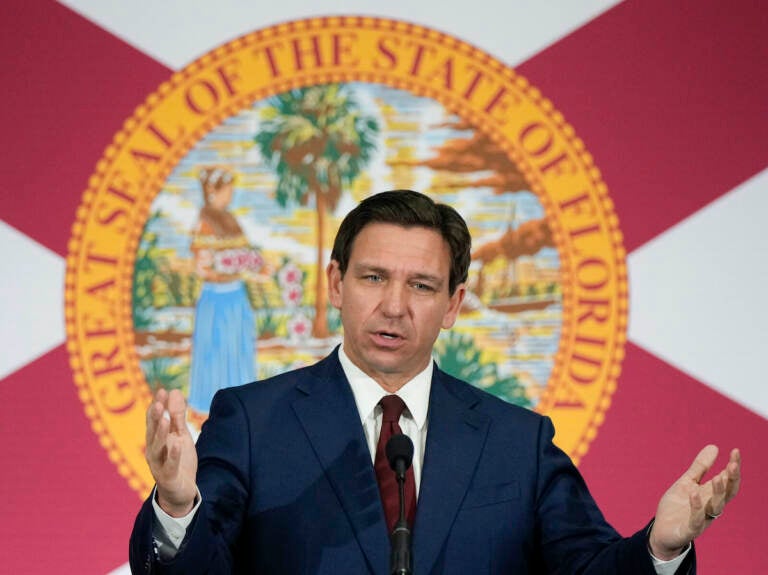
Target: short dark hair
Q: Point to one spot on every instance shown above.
(408, 209)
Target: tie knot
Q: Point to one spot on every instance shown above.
(393, 407)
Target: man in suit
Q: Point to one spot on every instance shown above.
(283, 479)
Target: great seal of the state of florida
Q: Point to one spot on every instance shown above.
(283, 130)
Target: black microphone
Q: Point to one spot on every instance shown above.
(399, 451)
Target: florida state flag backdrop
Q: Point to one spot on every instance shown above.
(167, 161)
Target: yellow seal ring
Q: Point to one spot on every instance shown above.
(466, 81)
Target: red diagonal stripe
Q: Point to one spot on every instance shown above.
(64, 509)
(68, 85)
(670, 98)
(658, 421)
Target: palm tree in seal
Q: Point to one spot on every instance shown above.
(318, 140)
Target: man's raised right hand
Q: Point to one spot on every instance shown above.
(171, 453)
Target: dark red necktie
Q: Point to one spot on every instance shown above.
(393, 407)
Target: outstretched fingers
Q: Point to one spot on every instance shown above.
(677, 523)
(166, 433)
(155, 413)
(716, 503)
(177, 410)
(157, 425)
(702, 463)
(733, 469)
(725, 485)
(170, 452)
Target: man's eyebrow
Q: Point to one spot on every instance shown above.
(436, 280)
(366, 267)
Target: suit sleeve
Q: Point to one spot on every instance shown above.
(574, 535)
(223, 480)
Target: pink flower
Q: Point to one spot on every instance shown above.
(289, 275)
(225, 262)
(299, 326)
(236, 260)
(292, 295)
(252, 260)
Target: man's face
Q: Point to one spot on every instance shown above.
(394, 300)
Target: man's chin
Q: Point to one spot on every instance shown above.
(393, 368)
(389, 366)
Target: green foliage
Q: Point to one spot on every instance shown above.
(175, 286)
(268, 323)
(165, 372)
(510, 389)
(318, 141)
(193, 286)
(148, 261)
(458, 356)
(155, 284)
(334, 320)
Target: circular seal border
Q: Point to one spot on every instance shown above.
(107, 169)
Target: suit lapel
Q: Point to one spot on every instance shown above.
(328, 414)
(455, 439)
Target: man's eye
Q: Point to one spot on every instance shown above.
(423, 287)
(372, 278)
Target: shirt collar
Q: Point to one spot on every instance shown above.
(368, 392)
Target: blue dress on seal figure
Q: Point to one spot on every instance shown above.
(224, 336)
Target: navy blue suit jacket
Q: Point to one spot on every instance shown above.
(288, 488)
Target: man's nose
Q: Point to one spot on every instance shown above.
(393, 302)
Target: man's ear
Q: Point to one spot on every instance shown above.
(334, 283)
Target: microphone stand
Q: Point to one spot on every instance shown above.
(400, 553)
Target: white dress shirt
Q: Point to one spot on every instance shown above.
(413, 421)
(367, 394)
